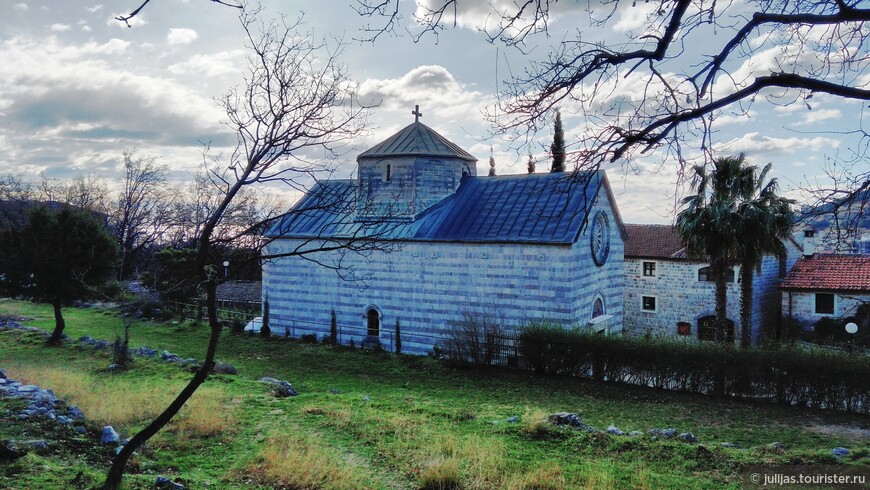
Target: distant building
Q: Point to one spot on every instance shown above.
(825, 285)
(516, 248)
(667, 293)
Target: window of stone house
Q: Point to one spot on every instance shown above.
(389, 174)
(824, 303)
(704, 274)
(648, 303)
(649, 269)
(684, 328)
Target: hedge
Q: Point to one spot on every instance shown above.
(785, 374)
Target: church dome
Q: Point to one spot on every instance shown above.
(417, 140)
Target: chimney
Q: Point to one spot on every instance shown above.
(809, 243)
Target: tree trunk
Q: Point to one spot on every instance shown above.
(721, 306)
(745, 305)
(721, 328)
(116, 472)
(59, 324)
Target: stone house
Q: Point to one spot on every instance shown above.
(667, 293)
(825, 285)
(449, 245)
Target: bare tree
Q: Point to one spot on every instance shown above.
(142, 212)
(136, 11)
(296, 97)
(12, 188)
(83, 192)
(839, 208)
(690, 61)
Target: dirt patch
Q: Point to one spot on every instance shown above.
(856, 433)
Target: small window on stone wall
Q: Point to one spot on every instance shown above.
(824, 303)
(389, 175)
(704, 274)
(648, 303)
(649, 269)
(684, 328)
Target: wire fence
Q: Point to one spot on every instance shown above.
(235, 311)
(500, 348)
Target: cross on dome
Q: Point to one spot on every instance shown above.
(416, 112)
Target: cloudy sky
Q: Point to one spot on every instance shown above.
(77, 88)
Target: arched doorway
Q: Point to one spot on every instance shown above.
(707, 329)
(374, 323)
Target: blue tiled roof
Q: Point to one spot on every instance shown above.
(527, 208)
(417, 139)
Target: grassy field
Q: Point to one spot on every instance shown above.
(370, 420)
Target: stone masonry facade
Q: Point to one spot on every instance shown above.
(681, 297)
(801, 305)
(429, 286)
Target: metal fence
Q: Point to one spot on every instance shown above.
(500, 349)
(227, 312)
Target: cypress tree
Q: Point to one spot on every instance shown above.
(557, 149)
(333, 329)
(491, 163)
(265, 330)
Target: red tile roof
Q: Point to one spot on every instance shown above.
(830, 272)
(653, 242)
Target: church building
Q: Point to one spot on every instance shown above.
(432, 245)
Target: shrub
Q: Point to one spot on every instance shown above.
(309, 338)
(475, 339)
(792, 375)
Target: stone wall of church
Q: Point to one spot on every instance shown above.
(436, 179)
(681, 297)
(414, 184)
(429, 286)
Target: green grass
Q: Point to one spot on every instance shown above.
(422, 425)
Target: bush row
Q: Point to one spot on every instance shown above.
(786, 374)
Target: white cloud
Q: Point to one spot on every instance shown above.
(59, 27)
(59, 98)
(820, 115)
(635, 17)
(20, 6)
(181, 36)
(426, 84)
(755, 143)
(94, 8)
(727, 119)
(212, 65)
(488, 14)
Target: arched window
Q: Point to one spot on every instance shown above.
(707, 329)
(705, 275)
(374, 323)
(598, 308)
(389, 173)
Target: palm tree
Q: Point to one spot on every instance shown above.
(709, 224)
(765, 220)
